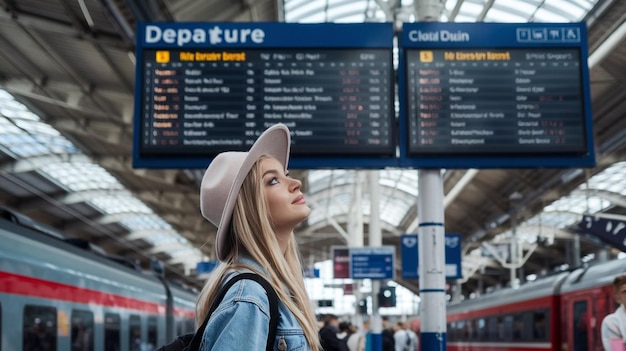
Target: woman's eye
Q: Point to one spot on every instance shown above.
(273, 181)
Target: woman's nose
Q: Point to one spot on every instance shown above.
(295, 184)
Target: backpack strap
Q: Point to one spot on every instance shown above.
(271, 295)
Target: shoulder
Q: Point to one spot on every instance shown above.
(610, 325)
(609, 319)
(246, 291)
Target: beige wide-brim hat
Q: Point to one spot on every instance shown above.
(224, 176)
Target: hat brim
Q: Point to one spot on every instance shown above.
(275, 142)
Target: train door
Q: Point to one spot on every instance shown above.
(580, 325)
(579, 334)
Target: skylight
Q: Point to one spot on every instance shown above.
(356, 11)
(23, 136)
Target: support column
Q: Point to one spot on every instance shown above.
(432, 278)
(375, 240)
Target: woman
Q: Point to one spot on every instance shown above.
(255, 205)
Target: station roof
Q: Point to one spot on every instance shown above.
(67, 71)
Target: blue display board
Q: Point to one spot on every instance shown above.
(372, 262)
(493, 95)
(409, 247)
(204, 88)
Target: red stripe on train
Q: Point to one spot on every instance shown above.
(17, 284)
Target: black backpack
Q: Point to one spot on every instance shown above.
(191, 341)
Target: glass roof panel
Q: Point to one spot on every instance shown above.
(555, 219)
(497, 15)
(331, 193)
(113, 204)
(469, 10)
(81, 176)
(522, 8)
(338, 206)
(569, 8)
(144, 221)
(578, 203)
(544, 15)
(612, 179)
(23, 134)
(157, 237)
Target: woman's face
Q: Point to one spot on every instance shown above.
(285, 201)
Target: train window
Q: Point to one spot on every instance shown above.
(518, 327)
(112, 333)
(82, 331)
(451, 331)
(492, 329)
(507, 328)
(40, 328)
(481, 329)
(185, 325)
(134, 332)
(459, 331)
(152, 332)
(581, 326)
(471, 330)
(540, 325)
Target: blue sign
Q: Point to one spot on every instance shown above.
(312, 272)
(372, 262)
(494, 95)
(206, 267)
(409, 244)
(205, 88)
(609, 230)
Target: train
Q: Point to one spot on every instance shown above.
(562, 311)
(59, 293)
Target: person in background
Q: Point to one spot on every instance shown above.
(388, 331)
(414, 338)
(356, 339)
(613, 327)
(345, 329)
(255, 205)
(328, 334)
(402, 339)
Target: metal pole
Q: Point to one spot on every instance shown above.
(375, 240)
(515, 254)
(431, 234)
(432, 277)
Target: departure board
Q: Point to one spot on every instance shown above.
(496, 95)
(508, 101)
(198, 99)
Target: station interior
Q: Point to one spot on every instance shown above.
(67, 84)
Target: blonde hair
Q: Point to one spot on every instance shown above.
(252, 233)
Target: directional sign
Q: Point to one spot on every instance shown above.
(341, 262)
(372, 262)
(410, 257)
(610, 230)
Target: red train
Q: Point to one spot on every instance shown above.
(561, 312)
(55, 295)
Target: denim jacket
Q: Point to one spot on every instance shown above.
(241, 322)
